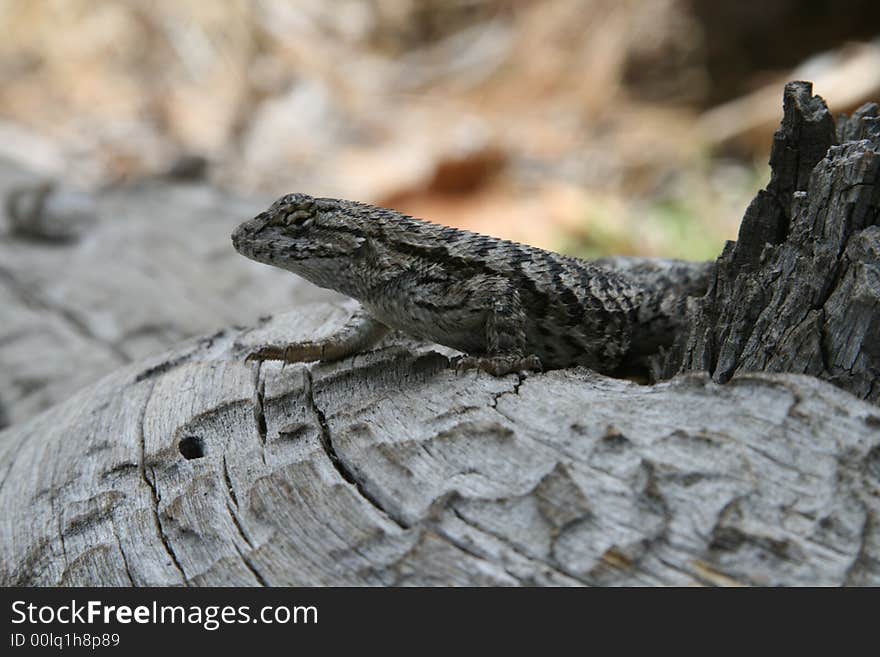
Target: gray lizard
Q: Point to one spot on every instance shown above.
(507, 306)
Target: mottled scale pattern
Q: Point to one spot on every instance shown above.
(478, 294)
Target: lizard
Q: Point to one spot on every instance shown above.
(507, 306)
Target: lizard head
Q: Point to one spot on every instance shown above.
(312, 237)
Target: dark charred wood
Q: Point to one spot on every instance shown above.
(799, 291)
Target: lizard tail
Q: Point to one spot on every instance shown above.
(664, 286)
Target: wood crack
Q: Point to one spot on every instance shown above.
(339, 465)
(154, 493)
(122, 554)
(519, 549)
(253, 570)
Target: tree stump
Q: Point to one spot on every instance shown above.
(799, 291)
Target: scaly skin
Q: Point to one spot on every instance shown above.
(506, 305)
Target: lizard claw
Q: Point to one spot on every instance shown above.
(498, 365)
(257, 356)
(270, 352)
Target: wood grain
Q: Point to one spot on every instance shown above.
(391, 469)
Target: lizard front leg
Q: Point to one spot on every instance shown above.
(505, 336)
(357, 335)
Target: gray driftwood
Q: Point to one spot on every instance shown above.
(194, 467)
(199, 469)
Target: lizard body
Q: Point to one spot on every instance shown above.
(506, 305)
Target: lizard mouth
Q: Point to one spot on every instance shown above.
(261, 240)
(241, 238)
(244, 236)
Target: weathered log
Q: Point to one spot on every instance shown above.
(197, 468)
(390, 469)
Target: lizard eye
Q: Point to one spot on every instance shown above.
(299, 218)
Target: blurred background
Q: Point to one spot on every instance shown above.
(589, 126)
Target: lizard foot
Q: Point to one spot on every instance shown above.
(497, 365)
(290, 353)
